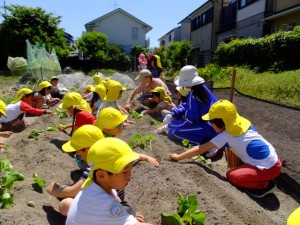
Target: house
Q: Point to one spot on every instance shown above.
(121, 28)
(200, 27)
(170, 37)
(281, 15)
(69, 39)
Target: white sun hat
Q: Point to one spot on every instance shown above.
(188, 77)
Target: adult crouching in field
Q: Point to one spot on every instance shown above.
(198, 101)
(261, 162)
(146, 84)
(17, 109)
(79, 109)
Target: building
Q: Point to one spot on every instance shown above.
(122, 29)
(170, 37)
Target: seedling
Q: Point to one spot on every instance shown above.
(34, 134)
(187, 212)
(52, 128)
(198, 158)
(136, 115)
(138, 140)
(155, 122)
(8, 177)
(61, 113)
(36, 180)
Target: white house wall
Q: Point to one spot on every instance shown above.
(118, 28)
(201, 38)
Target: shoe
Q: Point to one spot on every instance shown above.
(212, 153)
(260, 193)
(161, 129)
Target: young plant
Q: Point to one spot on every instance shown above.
(138, 140)
(8, 177)
(199, 158)
(187, 212)
(155, 122)
(52, 128)
(61, 113)
(136, 115)
(39, 182)
(34, 134)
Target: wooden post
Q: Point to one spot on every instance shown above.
(232, 85)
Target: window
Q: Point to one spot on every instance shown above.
(244, 3)
(135, 33)
(170, 38)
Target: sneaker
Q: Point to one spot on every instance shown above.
(161, 129)
(212, 153)
(260, 193)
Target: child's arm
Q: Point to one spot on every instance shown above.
(24, 107)
(62, 128)
(56, 190)
(148, 158)
(1, 144)
(5, 134)
(150, 111)
(197, 150)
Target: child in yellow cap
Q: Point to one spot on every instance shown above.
(17, 109)
(57, 89)
(98, 97)
(80, 143)
(114, 90)
(111, 121)
(88, 92)
(261, 162)
(110, 161)
(5, 134)
(79, 109)
(97, 79)
(163, 100)
(42, 98)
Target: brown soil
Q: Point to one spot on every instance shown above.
(153, 190)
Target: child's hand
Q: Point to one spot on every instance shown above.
(152, 161)
(49, 112)
(52, 188)
(62, 128)
(174, 156)
(128, 122)
(6, 134)
(1, 144)
(139, 217)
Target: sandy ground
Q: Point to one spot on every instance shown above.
(153, 190)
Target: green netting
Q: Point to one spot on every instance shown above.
(17, 64)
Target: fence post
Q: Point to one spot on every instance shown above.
(232, 85)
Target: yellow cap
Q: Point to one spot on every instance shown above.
(74, 99)
(109, 154)
(89, 87)
(101, 90)
(110, 118)
(84, 137)
(113, 90)
(225, 110)
(158, 61)
(43, 85)
(97, 79)
(183, 91)
(3, 108)
(21, 93)
(163, 95)
(294, 218)
(54, 78)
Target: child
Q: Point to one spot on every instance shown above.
(88, 92)
(190, 126)
(111, 121)
(113, 94)
(155, 66)
(5, 134)
(110, 161)
(142, 62)
(81, 141)
(98, 97)
(97, 79)
(77, 107)
(262, 164)
(164, 102)
(17, 110)
(55, 90)
(43, 98)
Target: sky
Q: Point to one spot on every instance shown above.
(161, 15)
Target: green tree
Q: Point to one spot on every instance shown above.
(34, 24)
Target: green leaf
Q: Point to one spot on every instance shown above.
(11, 177)
(185, 142)
(170, 219)
(5, 165)
(41, 183)
(6, 200)
(52, 128)
(198, 217)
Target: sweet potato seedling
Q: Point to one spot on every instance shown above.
(187, 212)
(138, 140)
(34, 134)
(136, 115)
(61, 113)
(198, 158)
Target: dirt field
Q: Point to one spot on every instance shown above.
(153, 190)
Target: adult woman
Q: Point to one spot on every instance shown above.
(199, 100)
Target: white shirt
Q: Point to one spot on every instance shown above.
(250, 147)
(93, 206)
